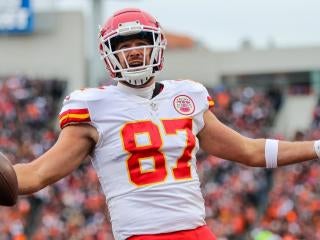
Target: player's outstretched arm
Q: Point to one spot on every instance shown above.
(74, 144)
(219, 140)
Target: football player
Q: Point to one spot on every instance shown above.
(143, 137)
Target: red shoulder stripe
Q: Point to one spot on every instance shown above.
(74, 116)
(210, 102)
(74, 111)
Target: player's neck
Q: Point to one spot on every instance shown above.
(145, 92)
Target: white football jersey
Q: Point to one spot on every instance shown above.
(146, 154)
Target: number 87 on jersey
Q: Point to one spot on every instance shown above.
(151, 149)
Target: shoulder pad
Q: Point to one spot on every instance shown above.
(87, 94)
(192, 85)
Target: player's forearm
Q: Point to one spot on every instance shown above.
(288, 152)
(295, 152)
(28, 180)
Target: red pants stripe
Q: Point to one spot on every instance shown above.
(200, 233)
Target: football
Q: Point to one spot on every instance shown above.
(8, 182)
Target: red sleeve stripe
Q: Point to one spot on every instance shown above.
(210, 102)
(74, 111)
(74, 116)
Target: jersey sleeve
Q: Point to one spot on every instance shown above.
(203, 102)
(75, 110)
(210, 101)
(203, 98)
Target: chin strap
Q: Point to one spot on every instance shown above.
(145, 92)
(138, 77)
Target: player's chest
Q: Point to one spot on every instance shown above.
(151, 123)
(135, 109)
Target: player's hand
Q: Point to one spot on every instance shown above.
(8, 182)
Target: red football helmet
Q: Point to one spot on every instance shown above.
(126, 24)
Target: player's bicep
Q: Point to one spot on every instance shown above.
(74, 144)
(220, 140)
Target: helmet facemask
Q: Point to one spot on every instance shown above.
(134, 75)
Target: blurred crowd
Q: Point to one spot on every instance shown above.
(235, 195)
(253, 203)
(241, 202)
(27, 113)
(293, 208)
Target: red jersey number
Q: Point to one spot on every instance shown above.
(139, 152)
(151, 150)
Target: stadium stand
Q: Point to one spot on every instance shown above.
(27, 112)
(293, 208)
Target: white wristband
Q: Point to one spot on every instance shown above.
(316, 146)
(271, 153)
